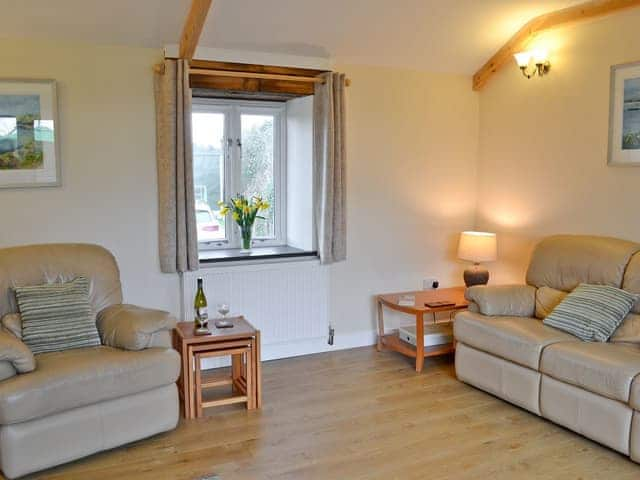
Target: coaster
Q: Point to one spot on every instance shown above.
(224, 324)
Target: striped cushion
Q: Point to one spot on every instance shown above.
(591, 312)
(57, 316)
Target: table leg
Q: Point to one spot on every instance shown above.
(252, 365)
(249, 376)
(258, 379)
(236, 371)
(380, 346)
(191, 397)
(184, 382)
(419, 341)
(198, 387)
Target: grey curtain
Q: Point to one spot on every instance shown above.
(178, 241)
(329, 159)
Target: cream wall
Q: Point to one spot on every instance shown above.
(411, 176)
(412, 145)
(543, 146)
(108, 194)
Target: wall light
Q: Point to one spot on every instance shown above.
(532, 62)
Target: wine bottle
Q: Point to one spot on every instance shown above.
(200, 305)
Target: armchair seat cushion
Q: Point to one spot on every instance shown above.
(84, 376)
(518, 339)
(607, 369)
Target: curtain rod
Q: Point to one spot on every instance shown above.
(237, 74)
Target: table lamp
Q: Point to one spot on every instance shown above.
(477, 247)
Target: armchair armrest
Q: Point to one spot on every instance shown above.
(503, 300)
(16, 354)
(135, 328)
(13, 323)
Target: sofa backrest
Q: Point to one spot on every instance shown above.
(563, 262)
(37, 264)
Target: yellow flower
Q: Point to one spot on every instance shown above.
(245, 209)
(221, 203)
(236, 216)
(237, 202)
(224, 211)
(264, 205)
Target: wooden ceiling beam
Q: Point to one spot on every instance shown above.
(193, 27)
(249, 67)
(238, 85)
(524, 36)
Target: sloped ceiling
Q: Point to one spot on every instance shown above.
(438, 35)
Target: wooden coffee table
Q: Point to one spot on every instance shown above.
(393, 342)
(241, 343)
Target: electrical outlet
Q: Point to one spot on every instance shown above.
(430, 283)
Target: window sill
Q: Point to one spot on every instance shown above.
(257, 255)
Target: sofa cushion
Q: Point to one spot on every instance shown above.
(74, 378)
(607, 369)
(518, 339)
(591, 312)
(57, 316)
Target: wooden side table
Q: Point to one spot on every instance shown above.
(393, 342)
(241, 342)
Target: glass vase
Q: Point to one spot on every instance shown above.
(247, 234)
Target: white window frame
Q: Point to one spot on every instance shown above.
(232, 151)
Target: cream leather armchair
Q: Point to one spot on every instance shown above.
(91, 398)
(589, 387)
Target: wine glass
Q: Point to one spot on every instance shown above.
(223, 309)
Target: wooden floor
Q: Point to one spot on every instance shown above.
(359, 414)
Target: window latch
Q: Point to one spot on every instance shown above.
(238, 142)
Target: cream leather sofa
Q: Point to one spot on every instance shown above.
(78, 402)
(590, 388)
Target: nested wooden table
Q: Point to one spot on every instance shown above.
(241, 342)
(392, 341)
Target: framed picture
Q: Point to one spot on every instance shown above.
(29, 140)
(624, 115)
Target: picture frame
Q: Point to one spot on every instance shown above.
(29, 134)
(624, 115)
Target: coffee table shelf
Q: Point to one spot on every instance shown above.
(392, 342)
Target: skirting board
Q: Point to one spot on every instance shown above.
(305, 347)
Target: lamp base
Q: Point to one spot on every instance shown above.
(476, 276)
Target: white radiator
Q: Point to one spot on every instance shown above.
(287, 302)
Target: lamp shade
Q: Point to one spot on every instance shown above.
(477, 247)
(523, 59)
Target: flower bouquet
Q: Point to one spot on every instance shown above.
(244, 211)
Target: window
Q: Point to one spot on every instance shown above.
(238, 148)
